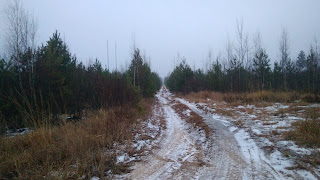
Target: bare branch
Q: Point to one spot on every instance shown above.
(21, 32)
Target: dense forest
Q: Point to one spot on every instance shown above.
(38, 85)
(247, 69)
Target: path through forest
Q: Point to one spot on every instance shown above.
(184, 153)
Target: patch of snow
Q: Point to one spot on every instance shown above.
(271, 108)
(251, 141)
(305, 174)
(247, 145)
(122, 158)
(254, 155)
(315, 105)
(295, 118)
(251, 106)
(252, 116)
(15, 132)
(223, 120)
(256, 131)
(274, 162)
(187, 112)
(266, 141)
(283, 106)
(184, 101)
(294, 147)
(95, 178)
(162, 99)
(232, 129)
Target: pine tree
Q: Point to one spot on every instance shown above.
(261, 68)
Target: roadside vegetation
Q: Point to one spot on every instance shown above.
(254, 97)
(74, 149)
(307, 132)
(78, 116)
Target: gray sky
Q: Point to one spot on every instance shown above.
(164, 28)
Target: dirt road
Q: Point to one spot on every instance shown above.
(185, 153)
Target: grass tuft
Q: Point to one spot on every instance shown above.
(306, 132)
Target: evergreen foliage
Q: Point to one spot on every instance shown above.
(261, 69)
(142, 77)
(301, 75)
(49, 81)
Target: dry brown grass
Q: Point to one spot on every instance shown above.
(194, 119)
(226, 112)
(275, 132)
(293, 109)
(313, 159)
(269, 123)
(239, 123)
(71, 150)
(269, 149)
(261, 96)
(306, 132)
(253, 97)
(260, 99)
(203, 96)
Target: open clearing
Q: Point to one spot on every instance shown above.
(183, 151)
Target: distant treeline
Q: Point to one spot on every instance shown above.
(302, 74)
(38, 85)
(246, 67)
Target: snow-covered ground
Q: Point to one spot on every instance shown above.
(145, 140)
(257, 133)
(178, 154)
(239, 147)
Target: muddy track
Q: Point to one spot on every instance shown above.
(184, 154)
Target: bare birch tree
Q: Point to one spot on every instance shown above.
(242, 53)
(230, 55)
(21, 30)
(242, 46)
(284, 55)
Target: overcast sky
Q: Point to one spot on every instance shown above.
(167, 27)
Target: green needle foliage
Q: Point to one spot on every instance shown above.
(44, 83)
